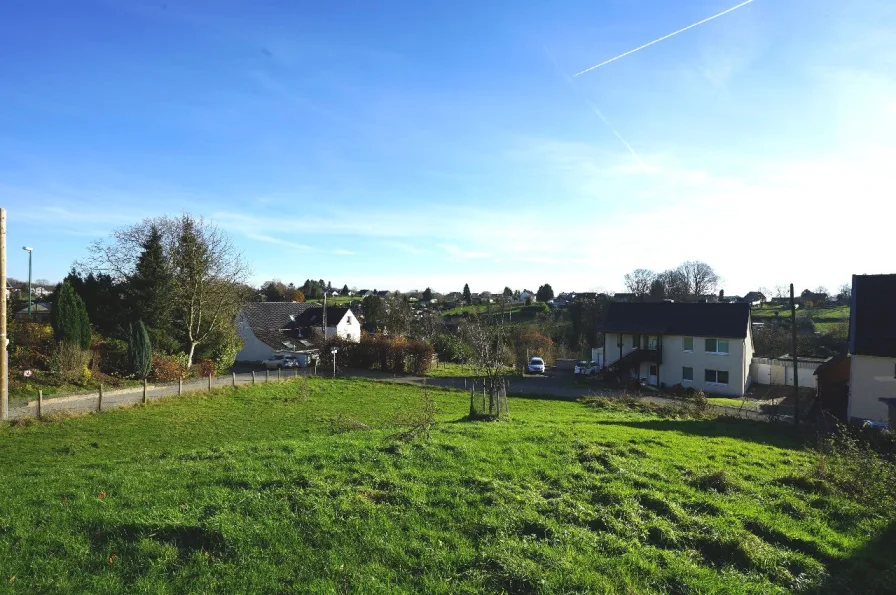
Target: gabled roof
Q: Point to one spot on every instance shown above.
(314, 317)
(269, 319)
(673, 318)
(753, 296)
(872, 321)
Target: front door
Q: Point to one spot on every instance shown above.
(651, 375)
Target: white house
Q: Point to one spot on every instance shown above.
(525, 295)
(266, 327)
(707, 346)
(872, 349)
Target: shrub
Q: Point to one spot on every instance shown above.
(69, 318)
(111, 357)
(31, 344)
(856, 466)
(139, 350)
(206, 368)
(451, 349)
(69, 362)
(221, 347)
(168, 368)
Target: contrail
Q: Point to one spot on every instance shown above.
(596, 111)
(647, 45)
(615, 132)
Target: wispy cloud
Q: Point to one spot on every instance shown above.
(343, 252)
(280, 242)
(664, 38)
(456, 252)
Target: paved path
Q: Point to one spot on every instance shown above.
(557, 387)
(114, 399)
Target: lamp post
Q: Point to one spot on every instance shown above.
(29, 251)
(333, 351)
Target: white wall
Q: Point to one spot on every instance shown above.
(871, 378)
(348, 328)
(612, 349)
(675, 358)
(254, 350)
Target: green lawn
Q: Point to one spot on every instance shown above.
(452, 370)
(274, 488)
(831, 314)
(727, 402)
(339, 300)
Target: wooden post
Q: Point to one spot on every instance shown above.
(144, 390)
(279, 378)
(253, 376)
(233, 374)
(180, 386)
(99, 402)
(267, 375)
(796, 371)
(209, 382)
(40, 404)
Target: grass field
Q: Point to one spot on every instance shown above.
(452, 370)
(280, 488)
(727, 402)
(832, 314)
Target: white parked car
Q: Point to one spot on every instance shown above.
(280, 360)
(536, 366)
(586, 368)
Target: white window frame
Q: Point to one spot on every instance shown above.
(716, 352)
(716, 382)
(683, 368)
(684, 346)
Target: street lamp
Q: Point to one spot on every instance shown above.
(333, 351)
(29, 251)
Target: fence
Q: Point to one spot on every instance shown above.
(777, 372)
(104, 399)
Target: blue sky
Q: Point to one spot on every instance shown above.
(409, 144)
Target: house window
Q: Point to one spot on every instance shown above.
(687, 374)
(716, 346)
(348, 320)
(689, 343)
(635, 341)
(716, 376)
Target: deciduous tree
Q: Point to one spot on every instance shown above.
(640, 281)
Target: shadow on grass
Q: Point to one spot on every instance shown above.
(871, 569)
(752, 431)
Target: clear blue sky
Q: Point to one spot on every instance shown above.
(413, 144)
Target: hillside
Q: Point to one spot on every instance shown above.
(296, 487)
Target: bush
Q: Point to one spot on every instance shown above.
(168, 368)
(31, 345)
(221, 347)
(206, 368)
(450, 348)
(857, 466)
(111, 357)
(70, 361)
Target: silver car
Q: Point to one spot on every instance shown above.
(536, 366)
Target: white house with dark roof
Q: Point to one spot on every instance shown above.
(268, 327)
(706, 346)
(872, 349)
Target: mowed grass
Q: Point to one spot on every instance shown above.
(306, 488)
(832, 314)
(739, 403)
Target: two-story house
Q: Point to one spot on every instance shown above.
(872, 349)
(268, 327)
(707, 346)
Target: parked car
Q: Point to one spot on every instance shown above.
(586, 368)
(279, 360)
(290, 361)
(536, 366)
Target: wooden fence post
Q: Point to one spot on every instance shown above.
(40, 404)
(279, 378)
(253, 376)
(209, 382)
(99, 401)
(144, 390)
(234, 379)
(267, 375)
(180, 386)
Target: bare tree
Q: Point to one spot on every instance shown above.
(845, 294)
(675, 284)
(397, 316)
(490, 355)
(639, 281)
(781, 291)
(209, 273)
(701, 277)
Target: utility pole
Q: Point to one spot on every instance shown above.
(796, 375)
(325, 315)
(29, 251)
(4, 368)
